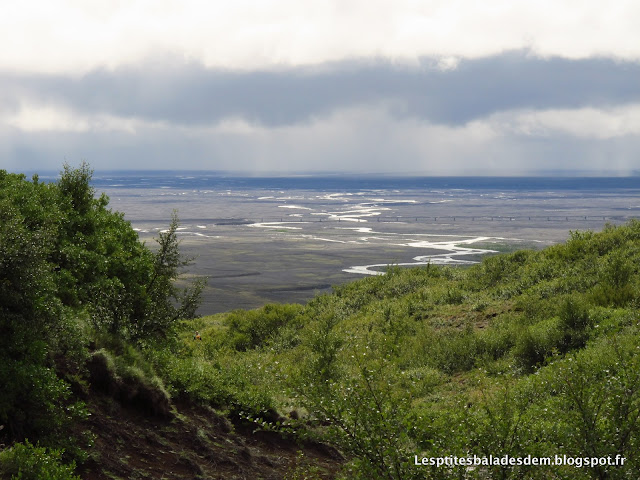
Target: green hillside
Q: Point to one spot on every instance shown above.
(532, 354)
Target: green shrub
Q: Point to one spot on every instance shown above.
(497, 340)
(593, 396)
(534, 307)
(24, 461)
(614, 287)
(230, 382)
(574, 322)
(255, 328)
(34, 401)
(448, 349)
(607, 321)
(365, 414)
(536, 343)
(422, 380)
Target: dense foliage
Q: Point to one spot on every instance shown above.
(71, 269)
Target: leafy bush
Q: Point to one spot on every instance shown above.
(228, 382)
(497, 340)
(24, 461)
(593, 399)
(537, 343)
(255, 328)
(450, 350)
(614, 287)
(34, 401)
(574, 323)
(366, 415)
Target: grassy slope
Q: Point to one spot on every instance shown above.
(527, 353)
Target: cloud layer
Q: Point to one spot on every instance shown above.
(459, 87)
(68, 36)
(190, 94)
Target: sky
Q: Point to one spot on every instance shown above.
(406, 87)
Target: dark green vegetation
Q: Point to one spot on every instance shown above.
(527, 353)
(71, 272)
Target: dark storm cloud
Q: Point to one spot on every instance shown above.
(191, 94)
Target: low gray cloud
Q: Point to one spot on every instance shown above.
(357, 140)
(190, 94)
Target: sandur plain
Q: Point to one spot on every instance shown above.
(260, 245)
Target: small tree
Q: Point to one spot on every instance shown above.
(128, 289)
(168, 302)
